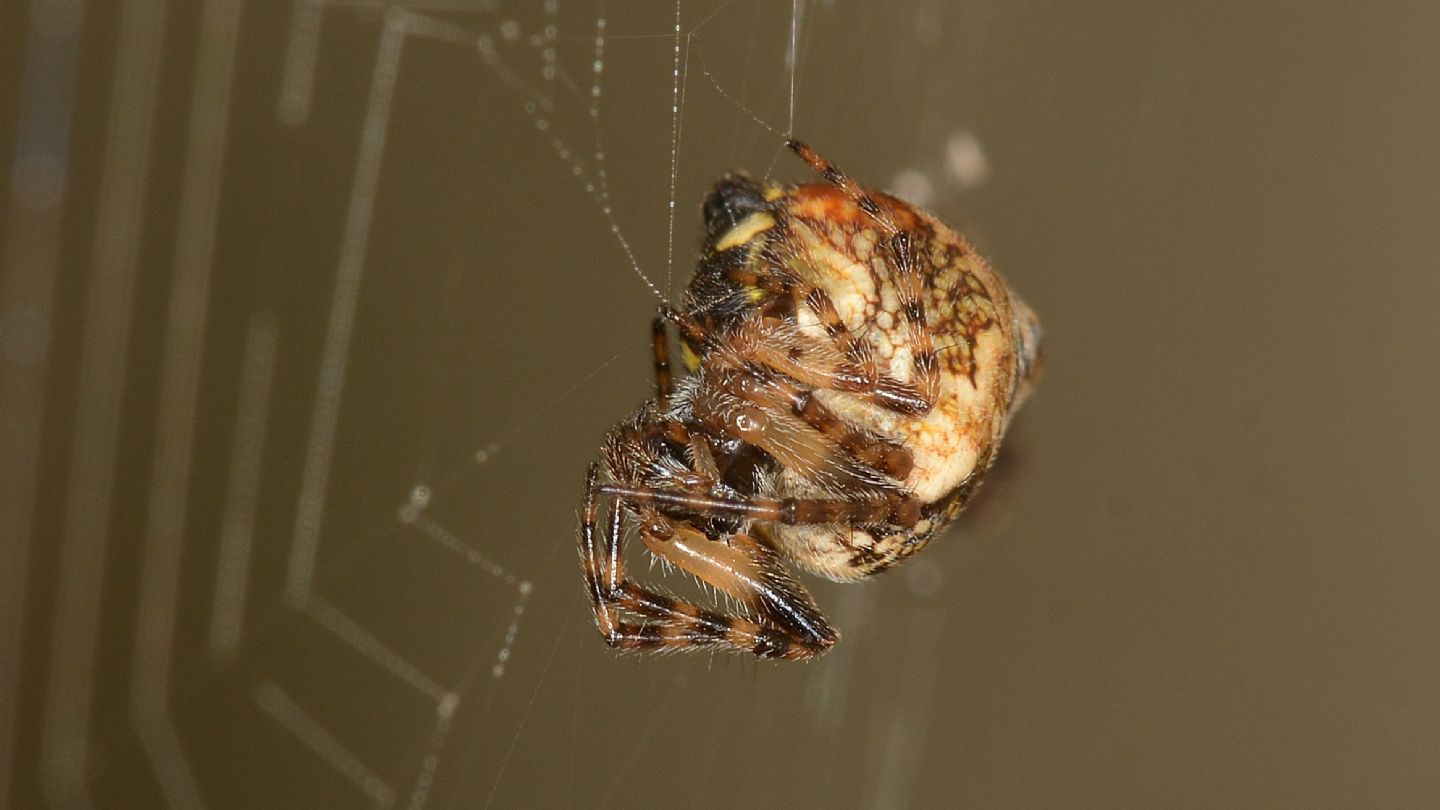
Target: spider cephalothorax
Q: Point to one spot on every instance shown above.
(853, 364)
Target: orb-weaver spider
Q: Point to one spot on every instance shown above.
(853, 364)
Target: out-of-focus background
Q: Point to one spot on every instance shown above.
(312, 314)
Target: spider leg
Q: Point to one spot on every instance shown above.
(857, 373)
(777, 284)
(752, 573)
(854, 370)
(743, 568)
(837, 176)
(664, 378)
(771, 391)
(910, 284)
(909, 281)
(895, 508)
(775, 394)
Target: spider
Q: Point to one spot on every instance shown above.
(852, 365)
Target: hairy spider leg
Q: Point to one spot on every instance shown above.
(747, 570)
(751, 572)
(742, 568)
(874, 451)
(774, 393)
(854, 349)
(896, 509)
(862, 377)
(664, 378)
(909, 281)
(766, 275)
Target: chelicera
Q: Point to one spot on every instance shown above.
(852, 364)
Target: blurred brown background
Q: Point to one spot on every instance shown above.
(311, 325)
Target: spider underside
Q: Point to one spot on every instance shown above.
(852, 365)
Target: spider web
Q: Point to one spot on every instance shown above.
(415, 245)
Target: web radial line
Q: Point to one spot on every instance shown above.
(597, 68)
(536, 105)
(283, 710)
(547, 51)
(502, 656)
(29, 269)
(449, 540)
(674, 149)
(85, 524)
(302, 49)
(792, 58)
(325, 416)
(425, 779)
(179, 392)
(237, 530)
(515, 738)
(715, 83)
(346, 629)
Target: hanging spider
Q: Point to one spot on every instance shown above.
(853, 364)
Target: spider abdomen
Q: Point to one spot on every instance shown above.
(832, 264)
